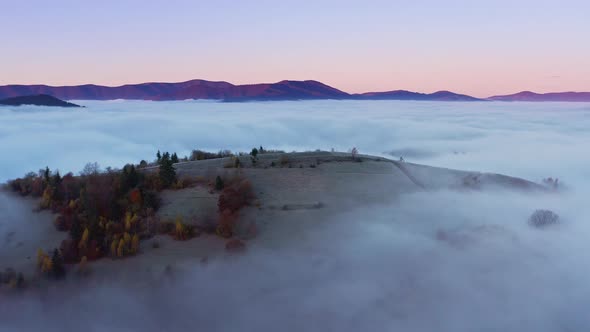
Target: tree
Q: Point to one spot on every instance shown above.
(135, 244)
(354, 153)
(46, 175)
(114, 247)
(82, 267)
(218, 183)
(121, 248)
(57, 265)
(90, 169)
(167, 172)
(84, 240)
(56, 179)
(158, 156)
(174, 158)
(130, 178)
(254, 152)
(76, 230)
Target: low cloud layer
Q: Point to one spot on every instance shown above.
(448, 261)
(521, 139)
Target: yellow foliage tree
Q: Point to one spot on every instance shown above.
(47, 264)
(46, 198)
(40, 257)
(135, 244)
(84, 240)
(127, 221)
(130, 220)
(82, 266)
(180, 229)
(127, 239)
(121, 248)
(114, 248)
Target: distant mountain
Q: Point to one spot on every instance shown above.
(283, 90)
(201, 89)
(409, 95)
(38, 100)
(195, 89)
(554, 96)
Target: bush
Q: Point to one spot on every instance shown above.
(204, 155)
(284, 160)
(543, 218)
(235, 196)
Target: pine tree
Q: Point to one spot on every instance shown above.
(174, 158)
(56, 178)
(76, 230)
(158, 156)
(46, 175)
(167, 172)
(57, 265)
(254, 152)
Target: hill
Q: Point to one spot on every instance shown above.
(294, 194)
(538, 97)
(409, 95)
(37, 100)
(194, 89)
(201, 89)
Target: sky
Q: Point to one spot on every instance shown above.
(480, 48)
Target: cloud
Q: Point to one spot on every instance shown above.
(449, 261)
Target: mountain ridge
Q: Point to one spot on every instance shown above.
(219, 90)
(37, 100)
(569, 96)
(282, 90)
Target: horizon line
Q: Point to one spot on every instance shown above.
(287, 80)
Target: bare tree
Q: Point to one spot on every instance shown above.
(354, 152)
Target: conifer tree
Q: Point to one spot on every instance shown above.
(57, 265)
(167, 172)
(218, 183)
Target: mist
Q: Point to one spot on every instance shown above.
(383, 266)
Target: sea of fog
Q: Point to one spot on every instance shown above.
(379, 267)
(531, 140)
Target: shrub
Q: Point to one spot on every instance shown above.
(235, 196)
(543, 218)
(284, 160)
(204, 155)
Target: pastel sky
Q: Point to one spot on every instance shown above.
(476, 47)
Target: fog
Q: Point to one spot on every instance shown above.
(375, 267)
